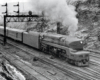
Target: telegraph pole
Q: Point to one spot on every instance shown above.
(6, 12)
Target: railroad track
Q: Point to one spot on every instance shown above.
(95, 56)
(95, 53)
(90, 70)
(68, 70)
(26, 68)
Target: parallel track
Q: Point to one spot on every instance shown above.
(11, 56)
(68, 70)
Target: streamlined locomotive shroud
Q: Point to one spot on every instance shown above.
(69, 48)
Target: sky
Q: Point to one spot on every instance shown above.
(8, 1)
(24, 6)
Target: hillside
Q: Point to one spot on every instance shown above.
(89, 14)
(89, 18)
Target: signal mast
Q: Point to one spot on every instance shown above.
(18, 8)
(6, 5)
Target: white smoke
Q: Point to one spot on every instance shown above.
(58, 10)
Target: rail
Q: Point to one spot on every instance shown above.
(96, 51)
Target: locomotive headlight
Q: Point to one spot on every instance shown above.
(81, 42)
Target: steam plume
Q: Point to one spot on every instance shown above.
(59, 11)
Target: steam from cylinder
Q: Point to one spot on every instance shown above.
(58, 11)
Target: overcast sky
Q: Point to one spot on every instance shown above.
(24, 6)
(8, 1)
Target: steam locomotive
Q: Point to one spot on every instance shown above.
(67, 47)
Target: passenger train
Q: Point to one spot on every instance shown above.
(67, 47)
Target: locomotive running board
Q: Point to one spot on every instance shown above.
(55, 45)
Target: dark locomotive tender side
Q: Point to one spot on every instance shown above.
(67, 47)
(31, 39)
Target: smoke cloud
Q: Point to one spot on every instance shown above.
(59, 11)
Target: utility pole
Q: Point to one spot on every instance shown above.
(17, 10)
(6, 5)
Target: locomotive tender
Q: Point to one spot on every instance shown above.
(67, 47)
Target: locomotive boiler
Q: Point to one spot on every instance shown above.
(68, 47)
